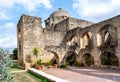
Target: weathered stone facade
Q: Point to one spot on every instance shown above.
(67, 39)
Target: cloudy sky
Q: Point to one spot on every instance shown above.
(11, 10)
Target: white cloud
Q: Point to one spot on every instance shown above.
(3, 16)
(30, 5)
(8, 35)
(9, 26)
(95, 8)
(8, 42)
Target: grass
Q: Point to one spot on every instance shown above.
(28, 77)
(25, 76)
(39, 79)
(15, 69)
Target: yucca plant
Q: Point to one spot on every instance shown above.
(35, 52)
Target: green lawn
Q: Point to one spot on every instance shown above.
(15, 69)
(24, 76)
(28, 77)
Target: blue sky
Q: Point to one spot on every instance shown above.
(11, 10)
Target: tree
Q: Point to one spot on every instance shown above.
(15, 53)
(5, 64)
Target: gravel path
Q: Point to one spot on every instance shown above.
(86, 74)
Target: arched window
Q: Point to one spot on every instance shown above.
(107, 39)
(109, 36)
(85, 40)
(73, 41)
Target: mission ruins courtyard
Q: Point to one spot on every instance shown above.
(88, 51)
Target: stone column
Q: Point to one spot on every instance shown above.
(118, 46)
(95, 52)
(97, 62)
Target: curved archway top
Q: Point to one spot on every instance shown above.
(111, 29)
(54, 53)
(71, 38)
(71, 33)
(108, 28)
(87, 54)
(73, 52)
(89, 34)
(74, 38)
(72, 41)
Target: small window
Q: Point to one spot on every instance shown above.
(19, 32)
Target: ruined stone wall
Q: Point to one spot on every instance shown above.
(20, 42)
(53, 38)
(71, 23)
(95, 29)
(49, 41)
(62, 26)
(32, 36)
(50, 22)
(94, 49)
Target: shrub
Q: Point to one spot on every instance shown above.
(67, 63)
(14, 66)
(5, 64)
(15, 53)
(63, 65)
(49, 63)
(80, 64)
(39, 62)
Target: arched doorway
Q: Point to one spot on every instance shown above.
(88, 59)
(55, 59)
(71, 58)
(108, 58)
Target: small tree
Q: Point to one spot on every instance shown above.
(15, 53)
(35, 52)
(5, 64)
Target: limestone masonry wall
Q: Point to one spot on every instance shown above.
(67, 39)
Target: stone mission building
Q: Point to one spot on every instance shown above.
(68, 39)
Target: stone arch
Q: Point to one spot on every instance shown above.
(71, 57)
(55, 59)
(73, 40)
(88, 59)
(72, 44)
(109, 35)
(109, 58)
(85, 40)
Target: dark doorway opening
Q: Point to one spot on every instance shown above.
(89, 60)
(108, 58)
(71, 59)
